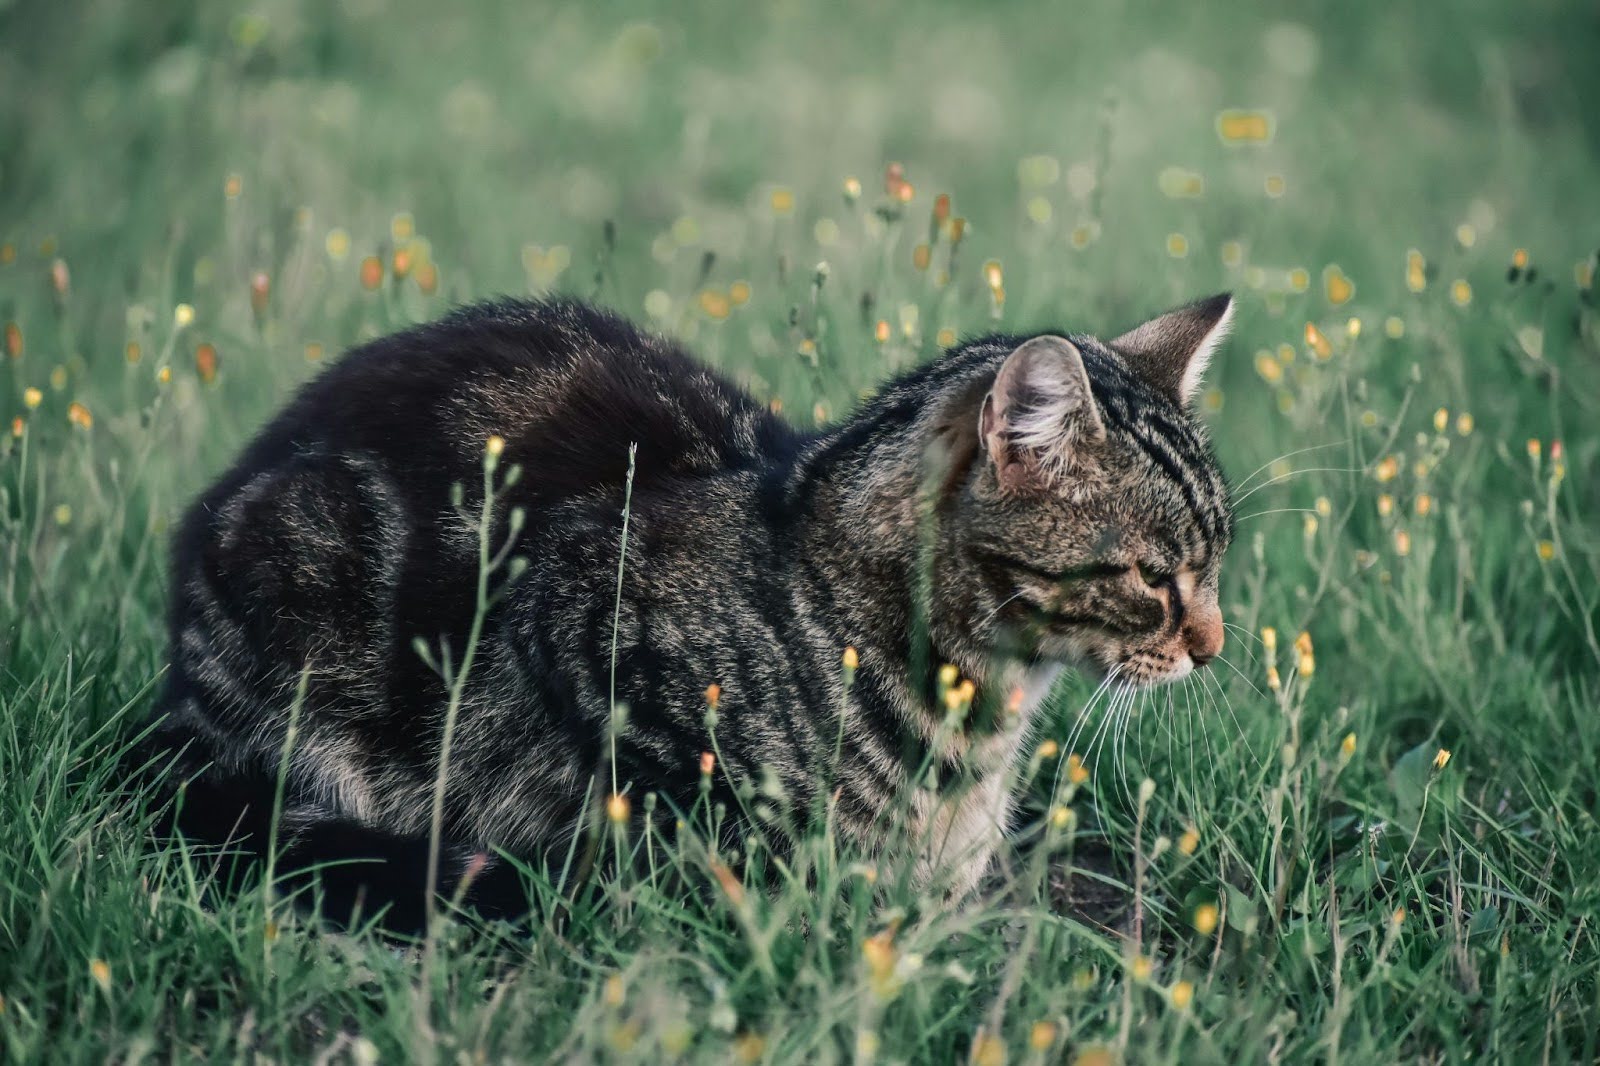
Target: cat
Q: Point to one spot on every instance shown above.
(1018, 506)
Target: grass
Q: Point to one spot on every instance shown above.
(198, 207)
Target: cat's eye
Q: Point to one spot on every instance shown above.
(1153, 575)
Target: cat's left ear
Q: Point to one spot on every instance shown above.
(1171, 352)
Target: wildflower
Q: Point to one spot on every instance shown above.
(32, 397)
(615, 990)
(100, 970)
(1317, 342)
(852, 660)
(313, 352)
(495, 445)
(58, 378)
(1310, 526)
(164, 375)
(1015, 699)
(879, 953)
(739, 293)
(730, 884)
(1442, 759)
(183, 315)
(921, 256)
(880, 332)
(79, 415)
(1385, 505)
(1416, 271)
(205, 362)
(1398, 917)
(715, 304)
(1464, 423)
(782, 201)
(945, 338)
(1062, 817)
(617, 808)
(1424, 505)
(1042, 1037)
(1048, 750)
(1299, 279)
(948, 675)
(18, 427)
(133, 353)
(1177, 245)
(1147, 788)
(1466, 236)
(708, 763)
(1141, 967)
(1182, 994)
(852, 190)
(992, 274)
(988, 1050)
(749, 1047)
(713, 695)
(1338, 288)
(1394, 327)
(1461, 292)
(1353, 327)
(1189, 841)
(1274, 682)
(63, 515)
(1269, 369)
(13, 342)
(1095, 1055)
(401, 263)
(1323, 506)
(1244, 127)
(1205, 918)
(1275, 185)
(260, 289)
(1077, 773)
(1387, 469)
(1307, 661)
(1402, 542)
(1347, 746)
(427, 277)
(60, 277)
(371, 272)
(1534, 449)
(1269, 639)
(1232, 253)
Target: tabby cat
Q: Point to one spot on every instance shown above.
(1018, 506)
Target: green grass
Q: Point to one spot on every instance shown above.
(1373, 906)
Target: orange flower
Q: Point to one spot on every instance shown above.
(371, 272)
(205, 362)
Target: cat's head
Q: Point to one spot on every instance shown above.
(1092, 518)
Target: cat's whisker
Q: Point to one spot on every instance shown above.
(1293, 474)
(1237, 725)
(1288, 455)
(1223, 659)
(1243, 633)
(1277, 510)
(1083, 714)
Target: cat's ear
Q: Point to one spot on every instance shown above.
(1171, 352)
(1039, 415)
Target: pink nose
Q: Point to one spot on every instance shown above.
(1205, 638)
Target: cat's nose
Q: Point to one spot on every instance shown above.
(1205, 638)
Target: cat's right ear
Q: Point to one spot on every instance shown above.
(1039, 415)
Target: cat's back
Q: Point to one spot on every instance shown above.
(568, 387)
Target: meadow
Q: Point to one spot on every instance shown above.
(1368, 836)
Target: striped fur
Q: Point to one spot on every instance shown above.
(755, 555)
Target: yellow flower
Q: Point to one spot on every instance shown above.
(749, 1047)
(79, 415)
(1317, 342)
(495, 445)
(988, 1050)
(782, 201)
(1347, 746)
(992, 274)
(1246, 127)
(1141, 967)
(1394, 327)
(1546, 550)
(32, 397)
(1077, 773)
(617, 808)
(1274, 682)
(1268, 368)
(1177, 245)
(615, 990)
(1062, 817)
(183, 315)
(713, 695)
(1442, 759)
(1385, 505)
(1398, 917)
(1189, 841)
(1307, 661)
(1048, 750)
(1299, 279)
(852, 659)
(880, 332)
(1402, 542)
(1205, 919)
(1324, 506)
(852, 189)
(1042, 1037)
(1387, 469)
(100, 970)
(1183, 994)
(1339, 288)
(1461, 292)
(1416, 271)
